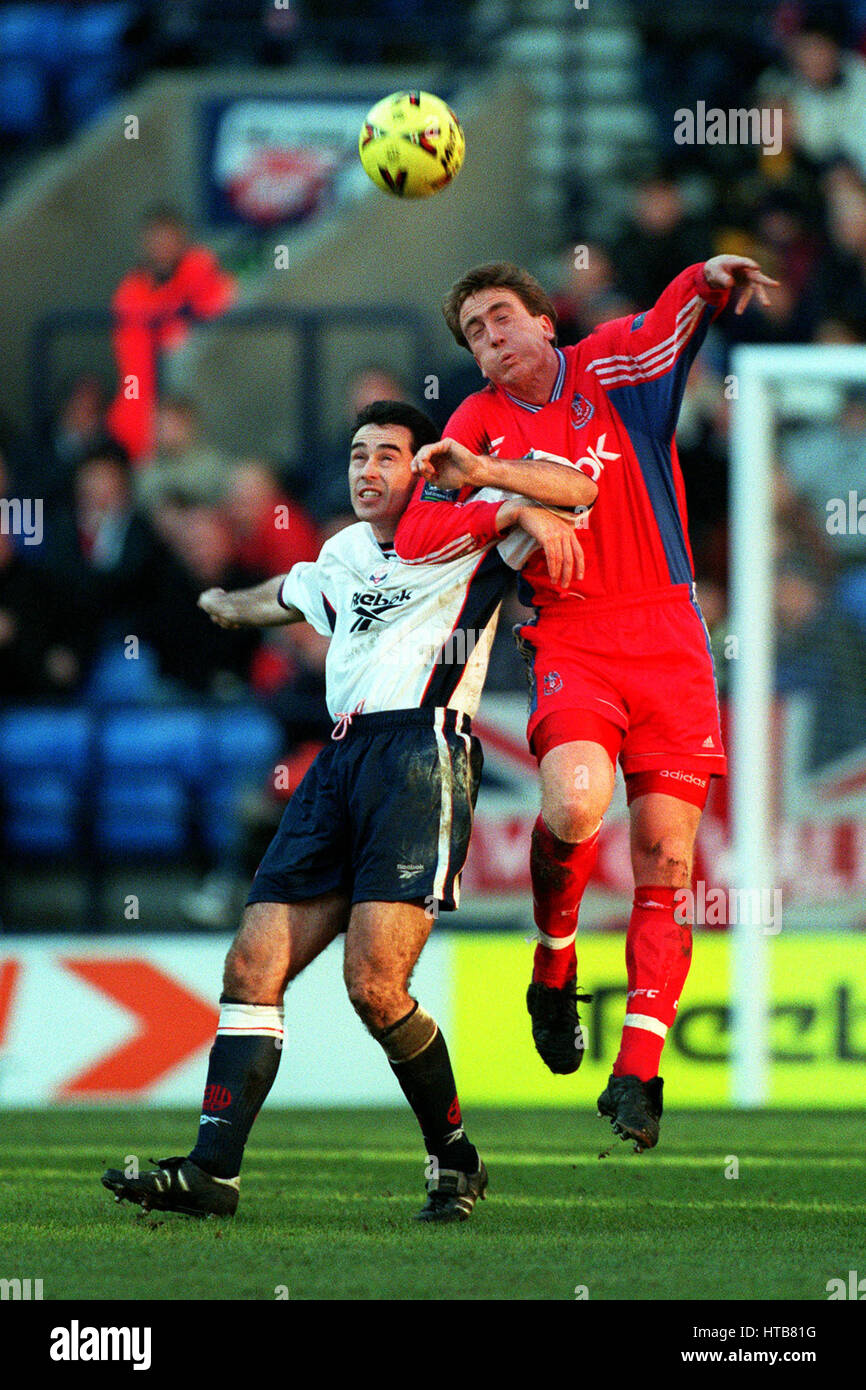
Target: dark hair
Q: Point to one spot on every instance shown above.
(495, 275)
(164, 215)
(184, 405)
(823, 25)
(419, 425)
(107, 451)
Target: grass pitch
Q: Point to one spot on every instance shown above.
(327, 1199)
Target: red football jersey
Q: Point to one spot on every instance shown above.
(612, 413)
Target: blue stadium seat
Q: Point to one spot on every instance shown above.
(219, 818)
(157, 740)
(95, 59)
(43, 815)
(245, 740)
(152, 759)
(246, 743)
(92, 31)
(114, 680)
(33, 31)
(142, 813)
(148, 772)
(851, 595)
(23, 97)
(44, 758)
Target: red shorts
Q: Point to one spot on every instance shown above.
(640, 663)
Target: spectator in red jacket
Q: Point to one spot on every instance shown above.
(175, 284)
(270, 532)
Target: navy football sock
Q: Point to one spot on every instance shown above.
(241, 1070)
(427, 1081)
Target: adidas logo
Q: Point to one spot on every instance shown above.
(708, 742)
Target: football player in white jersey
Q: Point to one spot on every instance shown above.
(373, 840)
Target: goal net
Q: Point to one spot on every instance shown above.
(795, 666)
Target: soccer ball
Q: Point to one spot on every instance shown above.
(411, 144)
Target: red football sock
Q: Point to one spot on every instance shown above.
(658, 953)
(560, 872)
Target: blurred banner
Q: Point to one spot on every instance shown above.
(273, 160)
(817, 1025)
(131, 1022)
(819, 814)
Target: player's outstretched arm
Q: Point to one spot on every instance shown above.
(555, 483)
(258, 607)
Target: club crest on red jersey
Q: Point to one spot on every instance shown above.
(582, 410)
(552, 682)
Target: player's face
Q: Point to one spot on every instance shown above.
(507, 341)
(381, 480)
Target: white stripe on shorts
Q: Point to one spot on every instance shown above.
(461, 720)
(444, 853)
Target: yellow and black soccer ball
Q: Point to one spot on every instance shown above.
(411, 144)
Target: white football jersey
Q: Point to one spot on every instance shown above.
(403, 635)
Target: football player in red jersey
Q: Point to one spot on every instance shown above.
(620, 663)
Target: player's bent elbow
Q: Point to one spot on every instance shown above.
(586, 490)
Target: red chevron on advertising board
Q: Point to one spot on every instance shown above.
(173, 1024)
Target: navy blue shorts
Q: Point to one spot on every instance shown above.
(382, 815)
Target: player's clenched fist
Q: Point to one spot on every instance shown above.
(446, 463)
(218, 606)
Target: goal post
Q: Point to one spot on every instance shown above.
(767, 379)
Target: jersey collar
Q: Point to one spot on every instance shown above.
(383, 548)
(555, 393)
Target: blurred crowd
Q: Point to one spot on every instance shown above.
(801, 213)
(63, 61)
(142, 511)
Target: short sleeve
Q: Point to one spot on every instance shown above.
(303, 588)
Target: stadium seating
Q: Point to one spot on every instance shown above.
(72, 52)
(150, 762)
(851, 595)
(246, 743)
(44, 768)
(128, 778)
(116, 681)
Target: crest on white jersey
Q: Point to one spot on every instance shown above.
(380, 573)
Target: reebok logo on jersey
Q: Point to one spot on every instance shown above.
(595, 458)
(371, 608)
